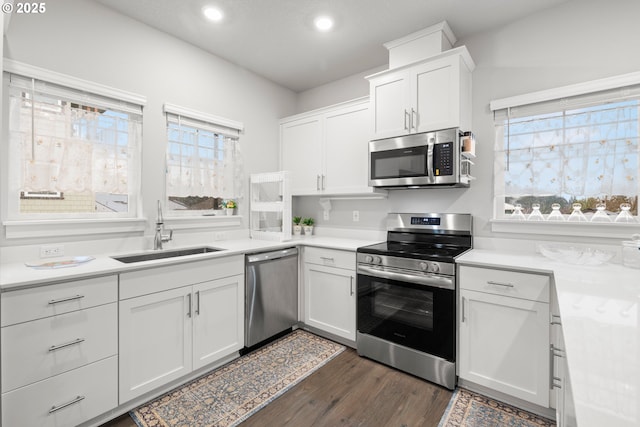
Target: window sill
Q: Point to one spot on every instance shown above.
(192, 222)
(581, 229)
(74, 227)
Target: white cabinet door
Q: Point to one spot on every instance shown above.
(218, 319)
(302, 154)
(435, 96)
(390, 103)
(155, 341)
(504, 345)
(330, 302)
(346, 136)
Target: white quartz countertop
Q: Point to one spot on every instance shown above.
(601, 327)
(17, 275)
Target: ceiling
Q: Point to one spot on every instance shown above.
(276, 39)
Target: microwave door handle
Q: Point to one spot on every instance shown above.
(430, 158)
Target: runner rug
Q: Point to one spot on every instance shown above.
(468, 409)
(233, 392)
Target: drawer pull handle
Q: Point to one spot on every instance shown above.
(64, 405)
(506, 285)
(189, 306)
(326, 258)
(197, 303)
(70, 343)
(73, 298)
(350, 285)
(554, 321)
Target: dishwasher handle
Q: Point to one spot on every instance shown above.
(268, 256)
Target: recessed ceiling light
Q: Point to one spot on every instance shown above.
(323, 23)
(213, 14)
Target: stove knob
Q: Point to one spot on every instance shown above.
(423, 266)
(434, 268)
(377, 260)
(368, 259)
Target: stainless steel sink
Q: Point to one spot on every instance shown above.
(148, 256)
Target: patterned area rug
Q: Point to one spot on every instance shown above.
(468, 409)
(233, 392)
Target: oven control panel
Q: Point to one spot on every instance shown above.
(382, 261)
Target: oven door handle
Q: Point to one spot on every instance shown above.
(430, 280)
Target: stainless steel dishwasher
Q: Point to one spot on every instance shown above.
(271, 294)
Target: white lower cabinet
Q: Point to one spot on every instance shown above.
(330, 291)
(561, 395)
(168, 334)
(504, 332)
(155, 341)
(64, 400)
(59, 352)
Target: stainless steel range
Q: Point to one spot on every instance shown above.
(407, 294)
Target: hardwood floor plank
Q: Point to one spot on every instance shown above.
(350, 391)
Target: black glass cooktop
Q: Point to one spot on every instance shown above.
(433, 252)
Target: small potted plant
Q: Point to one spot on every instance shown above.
(229, 206)
(308, 226)
(297, 228)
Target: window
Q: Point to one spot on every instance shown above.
(73, 153)
(581, 149)
(204, 164)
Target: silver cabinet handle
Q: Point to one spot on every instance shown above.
(406, 114)
(197, 303)
(326, 258)
(318, 182)
(351, 286)
(70, 343)
(323, 179)
(189, 306)
(464, 318)
(553, 380)
(414, 115)
(58, 301)
(64, 405)
(554, 321)
(506, 285)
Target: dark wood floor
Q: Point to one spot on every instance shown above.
(350, 391)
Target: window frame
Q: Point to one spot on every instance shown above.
(213, 123)
(603, 230)
(21, 226)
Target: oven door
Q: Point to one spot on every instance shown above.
(414, 315)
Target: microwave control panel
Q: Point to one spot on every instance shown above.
(443, 159)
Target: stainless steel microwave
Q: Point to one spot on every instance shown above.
(419, 160)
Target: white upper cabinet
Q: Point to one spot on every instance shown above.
(428, 95)
(326, 150)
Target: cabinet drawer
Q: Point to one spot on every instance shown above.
(528, 286)
(330, 257)
(37, 303)
(64, 400)
(144, 282)
(36, 350)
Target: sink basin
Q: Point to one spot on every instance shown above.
(148, 256)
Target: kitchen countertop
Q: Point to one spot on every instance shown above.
(601, 327)
(16, 275)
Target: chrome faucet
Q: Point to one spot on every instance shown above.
(160, 237)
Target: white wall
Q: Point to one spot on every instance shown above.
(87, 40)
(575, 42)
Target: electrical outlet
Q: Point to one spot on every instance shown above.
(326, 216)
(49, 251)
(356, 216)
(219, 236)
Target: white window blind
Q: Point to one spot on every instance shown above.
(80, 145)
(204, 161)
